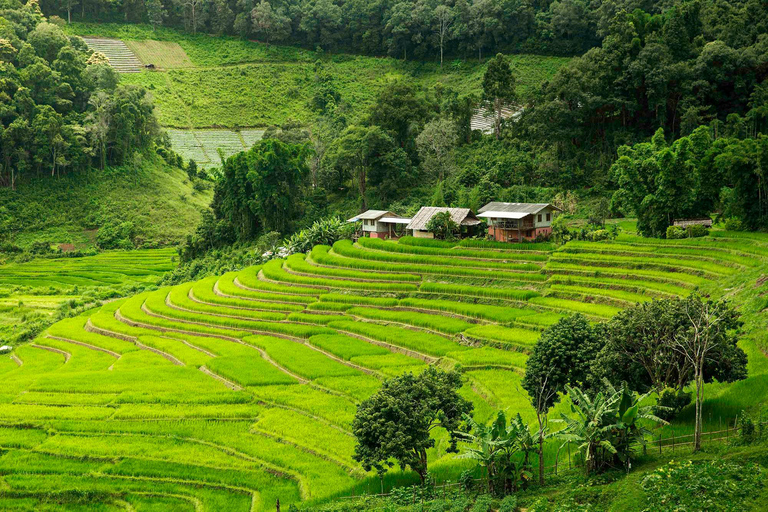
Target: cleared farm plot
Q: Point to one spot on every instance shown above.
(235, 391)
(207, 147)
(120, 56)
(161, 54)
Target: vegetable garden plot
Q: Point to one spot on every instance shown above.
(205, 145)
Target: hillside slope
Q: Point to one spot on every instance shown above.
(156, 198)
(257, 373)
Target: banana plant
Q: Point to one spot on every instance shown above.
(607, 426)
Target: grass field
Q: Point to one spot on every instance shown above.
(233, 392)
(250, 84)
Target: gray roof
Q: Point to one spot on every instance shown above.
(497, 206)
(461, 216)
(372, 215)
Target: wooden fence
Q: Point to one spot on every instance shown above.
(661, 443)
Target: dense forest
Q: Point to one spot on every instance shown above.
(406, 29)
(63, 108)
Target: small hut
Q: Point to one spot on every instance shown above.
(461, 216)
(380, 224)
(517, 222)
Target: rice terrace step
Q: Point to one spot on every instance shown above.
(120, 56)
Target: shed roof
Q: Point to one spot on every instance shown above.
(461, 216)
(372, 215)
(497, 206)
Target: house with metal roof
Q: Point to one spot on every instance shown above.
(517, 222)
(461, 216)
(380, 224)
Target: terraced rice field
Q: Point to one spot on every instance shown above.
(205, 146)
(36, 289)
(234, 391)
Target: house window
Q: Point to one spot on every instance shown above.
(549, 216)
(539, 217)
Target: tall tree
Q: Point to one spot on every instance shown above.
(396, 423)
(268, 23)
(444, 20)
(155, 12)
(498, 88)
(436, 144)
(711, 327)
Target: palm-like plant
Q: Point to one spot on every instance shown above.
(487, 442)
(607, 426)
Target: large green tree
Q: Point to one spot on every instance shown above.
(396, 424)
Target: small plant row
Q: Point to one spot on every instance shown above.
(406, 248)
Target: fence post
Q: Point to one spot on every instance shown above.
(569, 455)
(673, 442)
(727, 431)
(277, 505)
(659, 443)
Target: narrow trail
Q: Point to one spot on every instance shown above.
(231, 385)
(86, 345)
(193, 298)
(267, 333)
(343, 278)
(218, 292)
(209, 335)
(260, 275)
(265, 279)
(90, 327)
(392, 348)
(222, 315)
(67, 355)
(349, 468)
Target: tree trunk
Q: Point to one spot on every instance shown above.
(497, 127)
(697, 428)
(541, 449)
(361, 187)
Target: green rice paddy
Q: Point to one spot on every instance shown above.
(235, 391)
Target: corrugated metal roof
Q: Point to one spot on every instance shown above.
(461, 216)
(372, 215)
(503, 215)
(497, 206)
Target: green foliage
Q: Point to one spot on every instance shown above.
(560, 358)
(326, 231)
(443, 226)
(607, 427)
(640, 347)
(716, 485)
(115, 236)
(395, 423)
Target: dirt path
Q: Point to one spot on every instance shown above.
(264, 278)
(392, 348)
(261, 277)
(265, 333)
(199, 312)
(67, 355)
(231, 385)
(218, 292)
(132, 339)
(344, 278)
(86, 345)
(209, 335)
(192, 297)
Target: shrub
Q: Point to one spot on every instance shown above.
(324, 231)
(671, 402)
(697, 230)
(733, 224)
(676, 233)
(115, 236)
(508, 504)
(443, 226)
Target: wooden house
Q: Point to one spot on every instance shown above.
(517, 222)
(697, 221)
(380, 224)
(461, 216)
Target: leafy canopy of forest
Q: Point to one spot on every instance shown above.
(63, 109)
